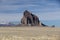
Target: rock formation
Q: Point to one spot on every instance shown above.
(30, 19)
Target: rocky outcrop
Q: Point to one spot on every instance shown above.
(30, 19)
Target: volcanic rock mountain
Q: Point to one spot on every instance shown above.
(30, 19)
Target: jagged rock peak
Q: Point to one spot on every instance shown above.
(26, 11)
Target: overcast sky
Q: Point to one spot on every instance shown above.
(48, 11)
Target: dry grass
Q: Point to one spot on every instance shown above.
(29, 33)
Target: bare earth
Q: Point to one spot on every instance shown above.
(29, 33)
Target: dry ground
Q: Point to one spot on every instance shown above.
(29, 33)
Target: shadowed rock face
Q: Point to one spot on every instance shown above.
(29, 18)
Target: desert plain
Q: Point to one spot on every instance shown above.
(29, 33)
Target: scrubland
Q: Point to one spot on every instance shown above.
(29, 33)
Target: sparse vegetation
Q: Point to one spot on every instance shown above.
(29, 33)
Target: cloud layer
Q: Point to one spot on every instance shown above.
(20, 5)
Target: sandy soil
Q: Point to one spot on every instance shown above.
(29, 33)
